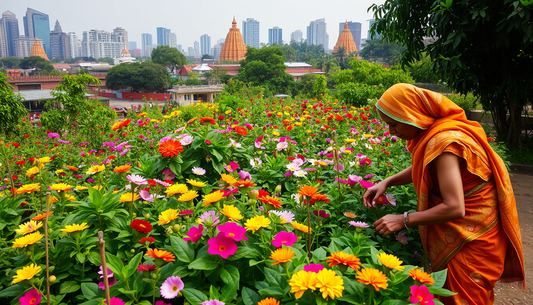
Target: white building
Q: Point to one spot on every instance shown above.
(125, 56)
(317, 33)
(187, 95)
(102, 44)
(173, 40)
(297, 36)
(250, 32)
(73, 41)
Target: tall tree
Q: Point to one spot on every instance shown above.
(483, 46)
(146, 76)
(37, 62)
(11, 107)
(382, 51)
(169, 57)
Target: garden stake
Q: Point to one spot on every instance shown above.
(13, 193)
(101, 245)
(46, 248)
(309, 228)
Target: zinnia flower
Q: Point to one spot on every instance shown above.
(374, 277)
(122, 168)
(27, 240)
(167, 216)
(222, 246)
(74, 228)
(284, 239)
(171, 287)
(228, 179)
(329, 283)
(41, 216)
(129, 197)
(26, 273)
(28, 227)
(302, 281)
(301, 227)
(307, 190)
(196, 183)
(421, 295)
(136, 179)
(28, 188)
(268, 301)
(114, 301)
(61, 187)
(188, 196)
(390, 261)
(313, 268)
(149, 240)
(212, 198)
(281, 255)
(272, 201)
(421, 276)
(349, 214)
(213, 302)
(358, 224)
(194, 234)
(146, 268)
(176, 189)
(231, 212)
(233, 231)
(341, 258)
(256, 223)
(141, 226)
(285, 216)
(95, 169)
(33, 171)
(241, 130)
(170, 148)
(32, 297)
(198, 171)
(161, 254)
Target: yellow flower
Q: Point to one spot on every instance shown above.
(28, 188)
(44, 160)
(68, 196)
(212, 198)
(129, 197)
(74, 228)
(390, 261)
(81, 188)
(26, 273)
(176, 189)
(329, 283)
(231, 212)
(302, 281)
(59, 171)
(374, 277)
(167, 216)
(350, 140)
(61, 187)
(275, 133)
(28, 227)
(188, 196)
(175, 113)
(281, 255)
(256, 223)
(96, 169)
(300, 227)
(196, 183)
(27, 240)
(229, 180)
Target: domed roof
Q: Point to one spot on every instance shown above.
(233, 48)
(125, 52)
(37, 50)
(345, 40)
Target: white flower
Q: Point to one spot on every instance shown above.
(368, 146)
(300, 173)
(282, 145)
(186, 139)
(255, 163)
(296, 197)
(235, 144)
(293, 167)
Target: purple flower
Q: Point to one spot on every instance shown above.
(53, 135)
(109, 273)
(171, 287)
(401, 238)
(168, 174)
(110, 282)
(245, 175)
(288, 174)
(209, 219)
(146, 196)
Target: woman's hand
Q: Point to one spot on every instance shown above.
(373, 193)
(389, 224)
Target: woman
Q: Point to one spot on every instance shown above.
(466, 207)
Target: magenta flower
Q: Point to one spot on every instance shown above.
(146, 268)
(321, 214)
(366, 184)
(162, 303)
(232, 166)
(358, 224)
(284, 238)
(32, 297)
(313, 268)
(402, 238)
(109, 273)
(365, 161)
(245, 175)
(257, 142)
(136, 179)
(168, 174)
(114, 301)
(208, 142)
(53, 135)
(194, 234)
(111, 282)
(222, 246)
(146, 196)
(421, 295)
(213, 302)
(171, 287)
(186, 212)
(233, 231)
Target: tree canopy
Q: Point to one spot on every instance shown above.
(381, 50)
(146, 76)
(482, 46)
(10, 62)
(169, 57)
(36, 62)
(11, 107)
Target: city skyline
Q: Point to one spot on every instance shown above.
(141, 17)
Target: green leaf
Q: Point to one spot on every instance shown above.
(250, 297)
(12, 291)
(439, 277)
(115, 264)
(124, 291)
(133, 264)
(271, 291)
(231, 277)
(90, 290)
(440, 291)
(319, 253)
(374, 256)
(206, 262)
(395, 302)
(184, 252)
(68, 287)
(195, 297)
(350, 298)
(213, 293)
(274, 279)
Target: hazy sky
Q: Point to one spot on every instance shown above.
(191, 19)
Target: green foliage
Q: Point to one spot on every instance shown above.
(146, 76)
(466, 101)
(36, 62)
(483, 46)
(53, 119)
(422, 71)
(305, 52)
(237, 88)
(169, 57)
(108, 60)
(10, 62)
(359, 94)
(320, 87)
(11, 107)
(307, 82)
(382, 51)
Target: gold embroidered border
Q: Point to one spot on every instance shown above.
(477, 188)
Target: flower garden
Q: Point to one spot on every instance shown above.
(257, 201)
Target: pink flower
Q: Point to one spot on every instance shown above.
(146, 196)
(421, 295)
(194, 234)
(53, 135)
(136, 179)
(109, 273)
(168, 174)
(171, 287)
(365, 161)
(313, 268)
(358, 224)
(321, 213)
(366, 184)
(111, 282)
(222, 246)
(232, 166)
(161, 303)
(257, 142)
(213, 302)
(208, 142)
(115, 301)
(186, 212)
(32, 297)
(391, 199)
(233, 231)
(284, 238)
(146, 268)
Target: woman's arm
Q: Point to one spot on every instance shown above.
(403, 177)
(452, 207)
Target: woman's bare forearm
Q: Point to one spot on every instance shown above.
(401, 178)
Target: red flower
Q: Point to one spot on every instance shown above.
(263, 193)
(147, 240)
(141, 226)
(152, 182)
(26, 136)
(241, 130)
(21, 162)
(221, 117)
(170, 148)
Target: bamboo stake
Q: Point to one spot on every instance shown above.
(46, 247)
(101, 244)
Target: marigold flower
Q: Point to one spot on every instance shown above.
(141, 226)
(272, 201)
(167, 216)
(301, 227)
(307, 190)
(268, 301)
(170, 148)
(129, 197)
(374, 277)
(232, 212)
(122, 168)
(28, 188)
(390, 261)
(188, 196)
(212, 198)
(228, 179)
(243, 183)
(33, 171)
(256, 223)
(95, 169)
(61, 187)
(161, 254)
(302, 281)
(281, 255)
(149, 240)
(176, 189)
(329, 283)
(28, 227)
(421, 276)
(74, 228)
(320, 197)
(341, 258)
(26, 273)
(26, 240)
(41, 216)
(196, 183)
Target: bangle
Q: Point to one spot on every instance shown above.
(405, 219)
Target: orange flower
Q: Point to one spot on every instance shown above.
(241, 130)
(209, 120)
(72, 168)
(268, 301)
(230, 180)
(281, 255)
(307, 190)
(122, 168)
(421, 276)
(244, 183)
(170, 148)
(161, 254)
(41, 216)
(320, 197)
(341, 258)
(192, 120)
(272, 201)
(374, 277)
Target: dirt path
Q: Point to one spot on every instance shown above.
(508, 294)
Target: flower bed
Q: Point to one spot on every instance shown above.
(211, 204)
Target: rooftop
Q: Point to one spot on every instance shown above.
(297, 65)
(37, 95)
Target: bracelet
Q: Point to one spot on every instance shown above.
(405, 219)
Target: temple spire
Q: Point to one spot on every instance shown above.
(233, 48)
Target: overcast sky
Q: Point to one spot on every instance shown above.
(191, 19)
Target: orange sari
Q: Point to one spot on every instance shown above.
(485, 246)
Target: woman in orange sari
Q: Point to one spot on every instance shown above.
(466, 207)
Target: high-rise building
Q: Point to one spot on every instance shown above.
(73, 41)
(275, 36)
(250, 31)
(102, 44)
(163, 38)
(132, 45)
(355, 29)
(368, 35)
(37, 24)
(180, 48)
(120, 35)
(9, 28)
(173, 40)
(197, 49)
(59, 43)
(317, 33)
(205, 44)
(217, 48)
(146, 44)
(297, 36)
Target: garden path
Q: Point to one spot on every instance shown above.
(512, 294)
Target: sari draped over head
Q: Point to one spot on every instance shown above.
(445, 128)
